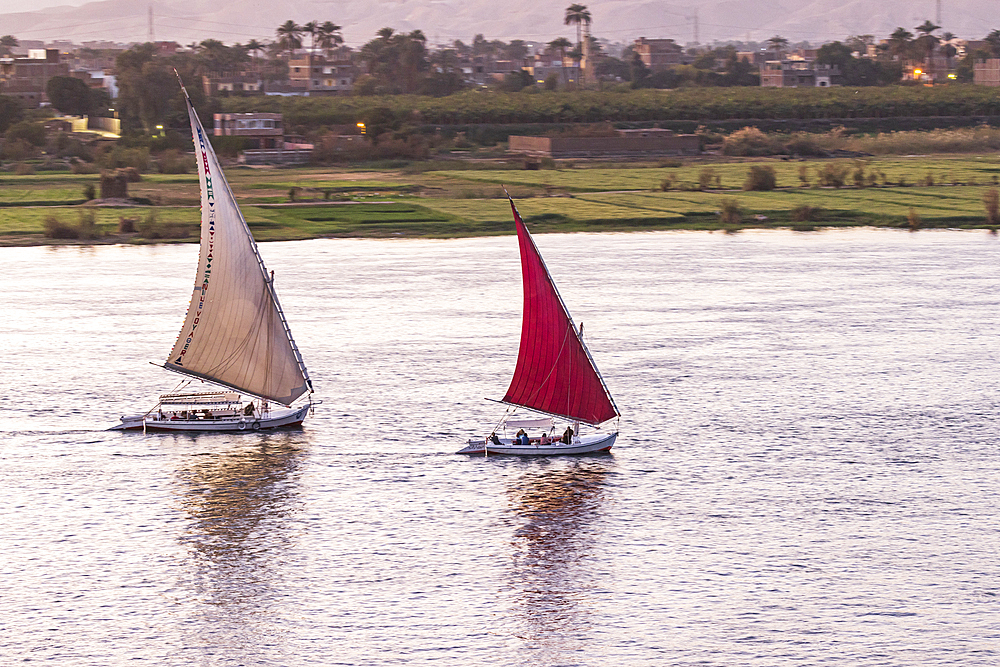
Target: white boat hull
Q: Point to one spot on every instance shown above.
(275, 419)
(601, 442)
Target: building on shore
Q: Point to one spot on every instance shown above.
(26, 77)
(658, 54)
(986, 72)
(634, 144)
(315, 74)
(259, 130)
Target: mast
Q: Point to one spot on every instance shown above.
(569, 316)
(555, 372)
(235, 334)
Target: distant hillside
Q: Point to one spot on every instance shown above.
(531, 20)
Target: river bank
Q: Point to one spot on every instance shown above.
(293, 204)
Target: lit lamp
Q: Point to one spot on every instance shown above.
(160, 128)
(361, 126)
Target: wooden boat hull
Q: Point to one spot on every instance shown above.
(586, 445)
(243, 424)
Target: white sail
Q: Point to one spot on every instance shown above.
(235, 333)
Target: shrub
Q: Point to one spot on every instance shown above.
(731, 213)
(33, 133)
(805, 145)
(151, 228)
(132, 174)
(991, 200)
(24, 169)
(87, 225)
(859, 174)
(929, 179)
(172, 161)
(833, 174)
(80, 167)
(85, 228)
(803, 176)
(88, 191)
(293, 193)
(119, 158)
(126, 225)
(760, 177)
(56, 229)
(17, 149)
(751, 142)
(668, 182)
(706, 177)
(913, 219)
(806, 213)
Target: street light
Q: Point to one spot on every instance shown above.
(361, 126)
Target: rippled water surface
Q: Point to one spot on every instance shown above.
(807, 473)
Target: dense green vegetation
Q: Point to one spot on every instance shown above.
(625, 105)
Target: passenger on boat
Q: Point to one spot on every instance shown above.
(567, 437)
(524, 440)
(545, 439)
(248, 410)
(495, 440)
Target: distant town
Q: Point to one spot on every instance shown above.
(111, 90)
(311, 60)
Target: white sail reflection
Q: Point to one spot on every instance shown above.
(239, 504)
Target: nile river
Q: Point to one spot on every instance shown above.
(808, 471)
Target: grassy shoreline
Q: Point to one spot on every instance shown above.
(941, 191)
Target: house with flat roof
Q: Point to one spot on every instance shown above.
(26, 77)
(986, 72)
(316, 74)
(261, 130)
(658, 54)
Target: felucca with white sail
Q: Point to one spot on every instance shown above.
(235, 335)
(555, 375)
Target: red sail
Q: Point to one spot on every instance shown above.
(554, 372)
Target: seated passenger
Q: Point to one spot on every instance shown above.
(495, 440)
(525, 440)
(567, 437)
(545, 439)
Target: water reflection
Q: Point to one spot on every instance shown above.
(239, 500)
(554, 570)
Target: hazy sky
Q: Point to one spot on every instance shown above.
(446, 20)
(8, 6)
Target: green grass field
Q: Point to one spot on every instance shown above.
(469, 202)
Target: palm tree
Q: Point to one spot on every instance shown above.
(777, 43)
(253, 47)
(927, 40)
(311, 29)
(949, 48)
(580, 15)
(900, 41)
(289, 36)
(561, 44)
(329, 35)
(7, 42)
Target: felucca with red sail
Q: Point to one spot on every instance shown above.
(555, 375)
(235, 335)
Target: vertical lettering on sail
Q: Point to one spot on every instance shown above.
(210, 219)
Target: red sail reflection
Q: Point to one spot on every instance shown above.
(554, 373)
